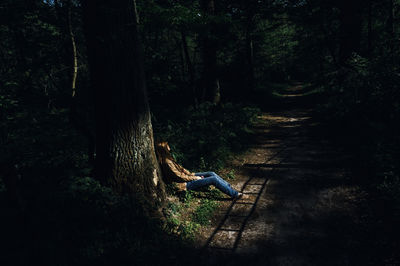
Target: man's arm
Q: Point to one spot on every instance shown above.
(180, 173)
(186, 171)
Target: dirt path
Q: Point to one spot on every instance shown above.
(298, 208)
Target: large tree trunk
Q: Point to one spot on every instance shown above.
(210, 82)
(125, 157)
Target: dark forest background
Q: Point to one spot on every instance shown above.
(210, 67)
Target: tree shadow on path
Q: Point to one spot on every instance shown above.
(300, 205)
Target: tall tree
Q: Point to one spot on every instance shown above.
(210, 82)
(369, 33)
(390, 25)
(250, 50)
(189, 64)
(125, 157)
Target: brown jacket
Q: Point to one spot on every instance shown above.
(172, 171)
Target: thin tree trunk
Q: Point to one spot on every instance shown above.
(78, 121)
(182, 59)
(250, 54)
(210, 82)
(369, 27)
(390, 26)
(125, 157)
(190, 67)
(74, 68)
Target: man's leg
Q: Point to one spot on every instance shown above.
(196, 184)
(213, 174)
(221, 179)
(224, 186)
(213, 180)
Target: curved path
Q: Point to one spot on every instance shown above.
(298, 205)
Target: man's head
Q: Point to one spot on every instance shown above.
(164, 145)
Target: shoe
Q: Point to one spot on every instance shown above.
(239, 195)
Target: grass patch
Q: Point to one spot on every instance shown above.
(187, 213)
(204, 211)
(231, 175)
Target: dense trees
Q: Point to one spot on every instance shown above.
(80, 98)
(201, 51)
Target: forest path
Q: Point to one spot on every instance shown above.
(298, 206)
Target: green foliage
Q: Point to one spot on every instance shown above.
(204, 212)
(71, 219)
(188, 197)
(231, 175)
(186, 217)
(204, 138)
(366, 95)
(215, 194)
(281, 51)
(362, 107)
(188, 230)
(74, 219)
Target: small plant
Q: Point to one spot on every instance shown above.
(188, 198)
(188, 230)
(172, 224)
(231, 175)
(202, 163)
(204, 212)
(173, 207)
(204, 138)
(214, 194)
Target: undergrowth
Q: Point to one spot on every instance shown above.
(201, 139)
(186, 215)
(363, 110)
(205, 138)
(66, 217)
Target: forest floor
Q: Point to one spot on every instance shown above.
(300, 206)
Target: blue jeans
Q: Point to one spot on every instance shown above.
(211, 178)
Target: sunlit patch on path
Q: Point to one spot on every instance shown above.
(229, 232)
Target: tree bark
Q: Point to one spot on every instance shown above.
(125, 157)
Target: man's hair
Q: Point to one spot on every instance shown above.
(162, 151)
